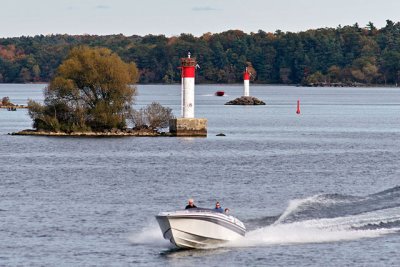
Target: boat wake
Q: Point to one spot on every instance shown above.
(149, 235)
(330, 218)
(317, 219)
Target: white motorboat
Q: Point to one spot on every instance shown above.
(199, 228)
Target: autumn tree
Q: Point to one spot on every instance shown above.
(315, 78)
(334, 74)
(92, 90)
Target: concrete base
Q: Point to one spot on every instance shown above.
(188, 127)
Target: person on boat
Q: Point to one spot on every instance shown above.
(191, 204)
(218, 207)
(226, 211)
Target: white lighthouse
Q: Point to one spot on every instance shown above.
(188, 68)
(188, 125)
(246, 81)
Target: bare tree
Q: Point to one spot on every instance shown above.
(153, 116)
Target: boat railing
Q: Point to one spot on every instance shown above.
(205, 210)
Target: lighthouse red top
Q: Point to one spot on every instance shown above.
(188, 72)
(246, 75)
(188, 66)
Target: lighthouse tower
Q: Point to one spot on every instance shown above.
(188, 125)
(246, 81)
(188, 68)
(246, 99)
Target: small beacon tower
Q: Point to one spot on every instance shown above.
(188, 70)
(246, 80)
(188, 125)
(246, 99)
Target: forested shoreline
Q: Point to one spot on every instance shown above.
(342, 55)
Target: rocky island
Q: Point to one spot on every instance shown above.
(6, 104)
(92, 95)
(246, 100)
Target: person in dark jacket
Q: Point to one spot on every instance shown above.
(191, 204)
(218, 207)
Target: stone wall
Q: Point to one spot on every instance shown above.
(188, 127)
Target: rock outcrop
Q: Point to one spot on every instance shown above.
(246, 100)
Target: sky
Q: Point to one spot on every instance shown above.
(173, 17)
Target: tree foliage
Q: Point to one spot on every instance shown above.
(364, 54)
(92, 90)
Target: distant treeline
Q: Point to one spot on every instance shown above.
(342, 55)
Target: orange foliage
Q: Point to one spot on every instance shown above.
(207, 36)
(10, 52)
(172, 40)
(271, 36)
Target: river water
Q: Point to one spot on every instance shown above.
(316, 189)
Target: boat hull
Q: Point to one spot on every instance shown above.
(193, 230)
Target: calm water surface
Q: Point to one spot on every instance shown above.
(316, 189)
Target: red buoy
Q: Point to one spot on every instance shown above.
(298, 107)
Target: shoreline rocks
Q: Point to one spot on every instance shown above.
(338, 84)
(8, 107)
(112, 133)
(246, 100)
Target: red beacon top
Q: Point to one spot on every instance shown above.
(188, 66)
(246, 75)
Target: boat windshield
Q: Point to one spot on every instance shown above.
(203, 210)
